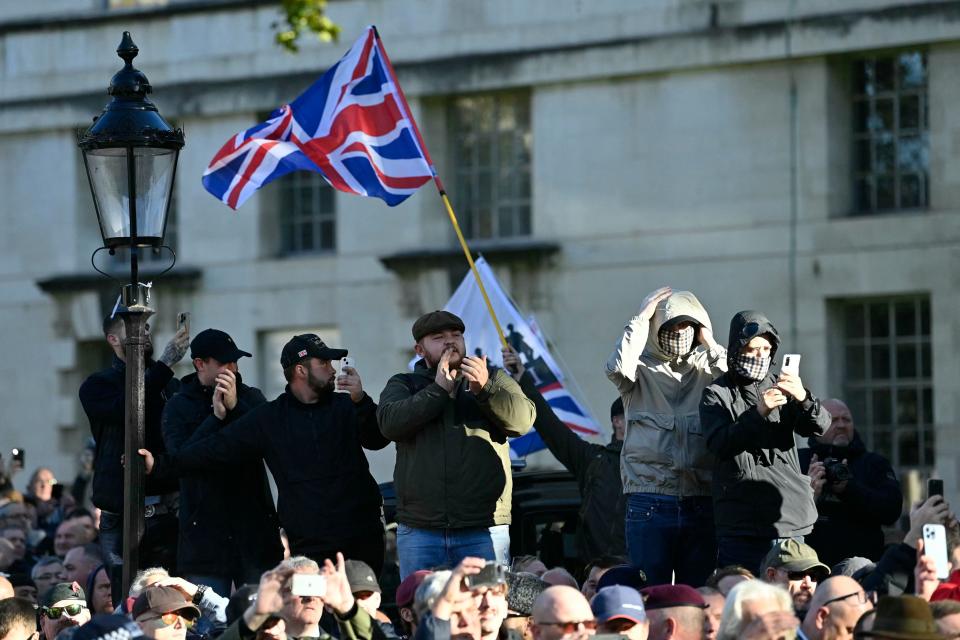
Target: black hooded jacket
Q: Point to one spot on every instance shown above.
(758, 488)
(224, 516)
(850, 522)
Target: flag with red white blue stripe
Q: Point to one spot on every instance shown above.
(352, 126)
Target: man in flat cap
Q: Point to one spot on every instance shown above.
(450, 419)
(312, 439)
(229, 531)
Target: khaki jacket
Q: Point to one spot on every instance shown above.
(664, 449)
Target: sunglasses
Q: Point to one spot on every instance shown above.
(55, 612)
(750, 330)
(570, 627)
(171, 618)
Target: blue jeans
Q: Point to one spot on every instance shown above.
(430, 548)
(670, 536)
(746, 551)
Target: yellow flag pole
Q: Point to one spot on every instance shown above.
(443, 193)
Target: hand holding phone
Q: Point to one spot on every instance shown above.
(183, 320)
(935, 546)
(345, 362)
(791, 364)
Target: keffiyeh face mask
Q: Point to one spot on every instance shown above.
(676, 342)
(752, 367)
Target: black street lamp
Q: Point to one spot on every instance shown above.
(130, 153)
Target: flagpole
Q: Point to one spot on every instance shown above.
(443, 193)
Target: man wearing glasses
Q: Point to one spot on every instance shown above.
(795, 567)
(562, 613)
(836, 606)
(750, 416)
(62, 606)
(164, 613)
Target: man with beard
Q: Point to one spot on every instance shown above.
(795, 566)
(62, 606)
(102, 396)
(450, 419)
(312, 439)
(229, 532)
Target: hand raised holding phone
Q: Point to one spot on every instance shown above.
(789, 381)
(348, 380)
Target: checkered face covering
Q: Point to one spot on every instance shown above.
(676, 342)
(752, 367)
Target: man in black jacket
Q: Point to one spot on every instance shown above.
(229, 532)
(851, 511)
(312, 439)
(749, 416)
(596, 468)
(102, 396)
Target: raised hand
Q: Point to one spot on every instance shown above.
(792, 385)
(338, 597)
(349, 380)
(269, 598)
(706, 338)
(652, 299)
(176, 348)
(925, 574)
(456, 593)
(511, 362)
(226, 383)
(770, 400)
(475, 370)
(818, 476)
(148, 460)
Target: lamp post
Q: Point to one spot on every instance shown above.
(130, 154)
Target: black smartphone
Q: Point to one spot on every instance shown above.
(17, 455)
(491, 575)
(934, 487)
(56, 491)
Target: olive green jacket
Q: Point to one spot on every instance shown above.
(453, 459)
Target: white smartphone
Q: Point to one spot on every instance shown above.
(309, 585)
(346, 361)
(791, 364)
(935, 546)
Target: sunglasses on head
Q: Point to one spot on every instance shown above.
(750, 330)
(55, 612)
(171, 618)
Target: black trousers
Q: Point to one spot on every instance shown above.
(157, 549)
(367, 546)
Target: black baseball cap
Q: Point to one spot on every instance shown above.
(361, 577)
(307, 345)
(213, 343)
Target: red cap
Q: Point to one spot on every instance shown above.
(408, 587)
(664, 596)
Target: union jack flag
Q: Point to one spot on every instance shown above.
(352, 126)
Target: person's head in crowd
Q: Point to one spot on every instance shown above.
(835, 608)
(364, 586)
(437, 332)
(562, 612)
(145, 578)
(18, 619)
(726, 578)
(404, 598)
(523, 589)
(856, 567)
(492, 607)
(464, 619)
(164, 613)
(529, 564)
(675, 611)
(796, 567)
(620, 610)
(597, 568)
(80, 561)
(69, 534)
(841, 431)
(16, 514)
(115, 334)
(751, 602)
(213, 352)
(558, 576)
(300, 613)
(946, 613)
(273, 629)
(47, 572)
(41, 484)
(86, 522)
(63, 605)
(23, 587)
(17, 537)
(6, 588)
(714, 611)
(307, 367)
(99, 595)
(898, 618)
(625, 575)
(618, 424)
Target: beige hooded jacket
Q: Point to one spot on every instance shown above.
(664, 449)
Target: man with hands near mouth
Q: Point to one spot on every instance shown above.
(450, 419)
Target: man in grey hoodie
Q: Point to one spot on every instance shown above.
(662, 363)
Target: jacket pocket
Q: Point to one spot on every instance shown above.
(650, 440)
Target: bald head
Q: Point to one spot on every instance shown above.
(836, 606)
(559, 576)
(560, 604)
(6, 589)
(840, 433)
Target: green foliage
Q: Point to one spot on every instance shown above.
(304, 16)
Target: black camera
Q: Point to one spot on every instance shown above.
(837, 472)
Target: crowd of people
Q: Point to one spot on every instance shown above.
(700, 519)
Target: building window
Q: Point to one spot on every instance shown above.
(890, 133)
(887, 377)
(491, 149)
(307, 213)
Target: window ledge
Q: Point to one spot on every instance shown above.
(66, 282)
(506, 250)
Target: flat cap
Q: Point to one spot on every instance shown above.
(434, 322)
